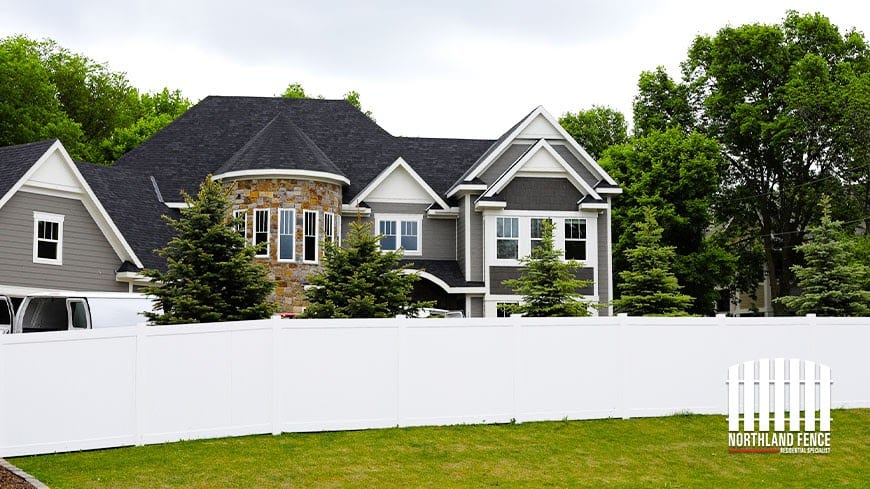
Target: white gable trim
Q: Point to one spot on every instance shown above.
(399, 163)
(85, 194)
(542, 145)
(585, 158)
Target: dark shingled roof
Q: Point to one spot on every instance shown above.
(16, 160)
(128, 196)
(446, 270)
(280, 145)
(438, 161)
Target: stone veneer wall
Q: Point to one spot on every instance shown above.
(287, 193)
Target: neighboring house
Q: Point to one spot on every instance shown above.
(301, 170)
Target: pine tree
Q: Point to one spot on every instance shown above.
(834, 280)
(649, 287)
(211, 274)
(549, 286)
(358, 280)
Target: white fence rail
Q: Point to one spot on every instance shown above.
(128, 386)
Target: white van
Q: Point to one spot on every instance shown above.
(60, 311)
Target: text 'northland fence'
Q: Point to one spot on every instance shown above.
(129, 386)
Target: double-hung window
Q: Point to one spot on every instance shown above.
(329, 227)
(400, 232)
(261, 231)
(286, 234)
(47, 238)
(575, 239)
(309, 236)
(240, 217)
(507, 238)
(536, 232)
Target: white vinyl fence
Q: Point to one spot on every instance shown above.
(130, 386)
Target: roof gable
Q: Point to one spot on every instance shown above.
(399, 183)
(541, 160)
(538, 124)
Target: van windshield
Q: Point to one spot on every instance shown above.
(45, 314)
(5, 312)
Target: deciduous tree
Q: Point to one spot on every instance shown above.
(596, 129)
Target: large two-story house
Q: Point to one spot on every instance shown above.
(462, 210)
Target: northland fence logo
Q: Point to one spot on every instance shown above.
(800, 388)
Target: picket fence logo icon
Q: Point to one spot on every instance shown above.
(797, 387)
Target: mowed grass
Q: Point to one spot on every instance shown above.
(672, 452)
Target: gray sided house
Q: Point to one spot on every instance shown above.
(462, 210)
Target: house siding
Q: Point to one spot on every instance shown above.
(580, 168)
(438, 235)
(498, 274)
(460, 233)
(603, 268)
(476, 309)
(89, 262)
(557, 194)
(503, 162)
(477, 246)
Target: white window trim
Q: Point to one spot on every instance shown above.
(332, 234)
(566, 239)
(398, 218)
(47, 217)
(558, 220)
(268, 229)
(509, 238)
(305, 215)
(281, 212)
(243, 213)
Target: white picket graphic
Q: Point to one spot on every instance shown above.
(803, 385)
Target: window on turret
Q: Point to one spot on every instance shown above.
(286, 234)
(261, 231)
(309, 243)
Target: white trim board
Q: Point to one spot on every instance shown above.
(399, 164)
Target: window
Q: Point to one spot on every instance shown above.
(575, 239)
(286, 234)
(536, 232)
(400, 232)
(241, 217)
(309, 243)
(78, 313)
(329, 227)
(507, 238)
(47, 238)
(261, 231)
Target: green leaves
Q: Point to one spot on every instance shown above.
(648, 287)
(211, 274)
(360, 281)
(596, 129)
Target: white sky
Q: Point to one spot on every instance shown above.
(448, 68)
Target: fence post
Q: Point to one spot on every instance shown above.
(139, 384)
(621, 408)
(276, 381)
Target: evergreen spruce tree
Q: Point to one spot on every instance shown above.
(834, 280)
(211, 274)
(358, 280)
(549, 286)
(649, 287)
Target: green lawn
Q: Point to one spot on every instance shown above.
(679, 451)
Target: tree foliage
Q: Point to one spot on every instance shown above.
(358, 280)
(211, 274)
(596, 129)
(296, 90)
(46, 91)
(549, 286)
(678, 175)
(784, 101)
(832, 282)
(648, 286)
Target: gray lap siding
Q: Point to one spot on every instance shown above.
(89, 262)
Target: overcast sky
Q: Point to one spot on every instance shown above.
(444, 68)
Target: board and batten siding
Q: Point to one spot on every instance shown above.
(89, 262)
